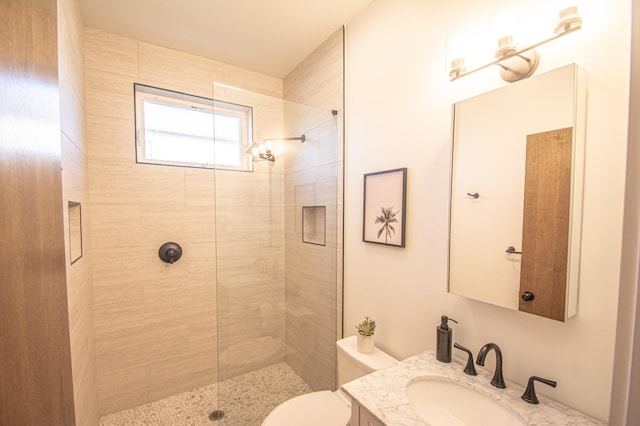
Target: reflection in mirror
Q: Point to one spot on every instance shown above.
(75, 231)
(516, 194)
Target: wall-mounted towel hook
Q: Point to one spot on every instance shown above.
(474, 195)
(170, 252)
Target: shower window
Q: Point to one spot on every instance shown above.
(184, 130)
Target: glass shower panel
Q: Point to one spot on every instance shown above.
(277, 297)
(313, 182)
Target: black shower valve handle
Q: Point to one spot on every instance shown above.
(170, 252)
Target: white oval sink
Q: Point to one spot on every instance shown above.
(441, 402)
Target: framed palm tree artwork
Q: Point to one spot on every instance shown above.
(385, 199)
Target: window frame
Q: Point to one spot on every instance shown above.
(144, 92)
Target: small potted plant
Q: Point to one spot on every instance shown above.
(366, 329)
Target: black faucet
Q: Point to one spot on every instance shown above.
(469, 369)
(529, 394)
(498, 380)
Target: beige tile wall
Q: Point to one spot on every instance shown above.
(75, 188)
(250, 249)
(155, 323)
(313, 177)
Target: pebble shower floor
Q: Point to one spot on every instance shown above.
(248, 400)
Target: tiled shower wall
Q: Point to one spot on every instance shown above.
(313, 177)
(75, 188)
(155, 323)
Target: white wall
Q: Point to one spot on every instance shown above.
(399, 115)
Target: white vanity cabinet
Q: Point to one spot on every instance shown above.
(360, 416)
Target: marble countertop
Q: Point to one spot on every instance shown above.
(383, 393)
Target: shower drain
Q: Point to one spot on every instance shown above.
(216, 415)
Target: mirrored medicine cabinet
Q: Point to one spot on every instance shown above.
(516, 194)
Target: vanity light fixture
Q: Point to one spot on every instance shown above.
(516, 60)
(264, 150)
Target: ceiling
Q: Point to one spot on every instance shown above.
(267, 36)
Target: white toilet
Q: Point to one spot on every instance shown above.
(326, 408)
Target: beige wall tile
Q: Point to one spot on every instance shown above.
(179, 71)
(111, 138)
(134, 265)
(83, 348)
(320, 148)
(72, 117)
(323, 68)
(250, 355)
(301, 118)
(201, 261)
(268, 123)
(119, 315)
(312, 179)
(252, 81)
(75, 188)
(108, 293)
(179, 223)
(166, 340)
(109, 94)
(239, 258)
(263, 187)
(203, 333)
(74, 171)
(200, 186)
(249, 224)
(123, 349)
(71, 43)
(80, 292)
(134, 184)
(111, 53)
(249, 189)
(178, 301)
(315, 186)
(124, 388)
(115, 226)
(87, 411)
(188, 371)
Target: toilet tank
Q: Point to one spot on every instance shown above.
(353, 364)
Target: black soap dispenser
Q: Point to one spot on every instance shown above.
(444, 339)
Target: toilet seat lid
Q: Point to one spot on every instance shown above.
(321, 408)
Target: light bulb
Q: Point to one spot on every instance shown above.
(255, 151)
(504, 23)
(268, 145)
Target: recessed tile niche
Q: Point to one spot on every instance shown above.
(314, 225)
(75, 231)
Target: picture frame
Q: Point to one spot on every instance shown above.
(384, 207)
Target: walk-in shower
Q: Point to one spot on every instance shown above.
(248, 314)
(278, 295)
